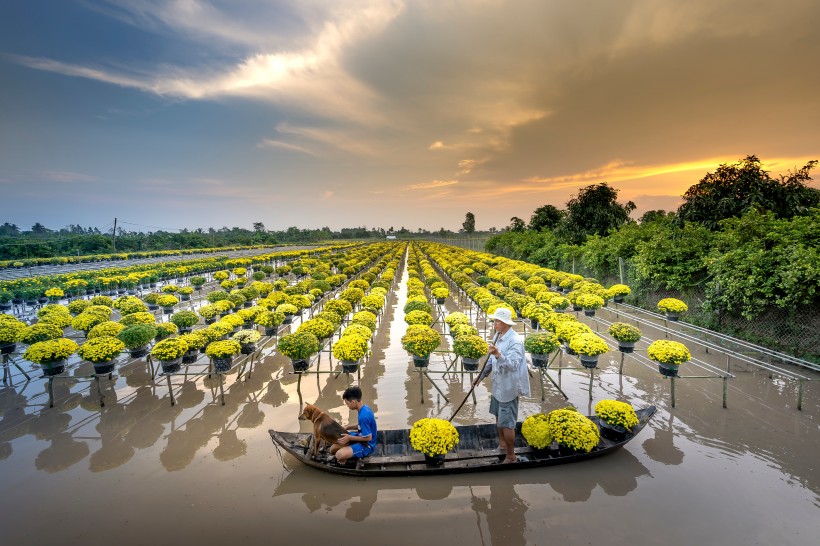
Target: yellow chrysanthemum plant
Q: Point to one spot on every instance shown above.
(420, 341)
(589, 303)
(247, 339)
(536, 431)
(539, 346)
(11, 331)
(626, 335)
(222, 353)
(588, 347)
(459, 330)
(672, 308)
(101, 351)
(619, 292)
(470, 348)
(349, 350)
(54, 294)
(669, 355)
(40, 331)
(573, 431)
(617, 418)
(299, 347)
(434, 438)
(51, 354)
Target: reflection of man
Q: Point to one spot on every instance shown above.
(510, 379)
(506, 514)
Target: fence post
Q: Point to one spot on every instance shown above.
(621, 268)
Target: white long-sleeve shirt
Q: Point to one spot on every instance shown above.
(509, 370)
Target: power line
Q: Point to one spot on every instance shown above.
(154, 227)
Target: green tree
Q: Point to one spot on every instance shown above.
(594, 211)
(546, 217)
(469, 223)
(737, 188)
(517, 224)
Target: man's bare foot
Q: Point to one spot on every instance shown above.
(507, 460)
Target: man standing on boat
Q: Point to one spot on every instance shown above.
(362, 439)
(508, 367)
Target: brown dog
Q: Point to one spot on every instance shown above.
(325, 428)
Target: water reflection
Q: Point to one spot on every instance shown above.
(661, 447)
(504, 512)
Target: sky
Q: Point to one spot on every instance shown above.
(384, 113)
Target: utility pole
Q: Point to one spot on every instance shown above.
(114, 236)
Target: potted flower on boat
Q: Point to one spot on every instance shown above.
(588, 347)
(626, 335)
(350, 349)
(420, 341)
(470, 349)
(299, 347)
(101, 352)
(616, 418)
(536, 431)
(672, 308)
(434, 438)
(669, 355)
(574, 433)
(170, 352)
(184, 320)
(136, 338)
(247, 340)
(51, 354)
(619, 292)
(540, 346)
(222, 353)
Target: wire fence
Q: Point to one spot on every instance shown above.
(794, 331)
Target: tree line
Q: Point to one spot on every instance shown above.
(745, 240)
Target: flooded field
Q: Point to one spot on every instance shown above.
(141, 471)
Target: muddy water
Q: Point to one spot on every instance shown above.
(141, 471)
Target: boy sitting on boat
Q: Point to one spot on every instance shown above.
(361, 441)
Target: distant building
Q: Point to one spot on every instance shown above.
(391, 236)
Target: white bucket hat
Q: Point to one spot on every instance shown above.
(504, 315)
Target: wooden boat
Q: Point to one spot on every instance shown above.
(477, 451)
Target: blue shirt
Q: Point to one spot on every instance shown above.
(367, 425)
(509, 371)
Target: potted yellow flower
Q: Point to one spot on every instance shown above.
(618, 292)
(51, 354)
(540, 346)
(222, 353)
(270, 320)
(616, 418)
(672, 308)
(10, 331)
(420, 341)
(536, 431)
(470, 349)
(101, 352)
(669, 355)
(247, 340)
(434, 438)
(589, 303)
(170, 352)
(574, 433)
(350, 349)
(299, 347)
(588, 347)
(626, 335)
